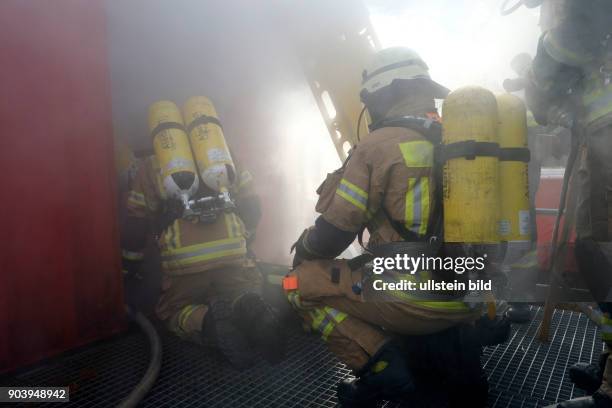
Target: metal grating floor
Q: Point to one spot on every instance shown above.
(522, 372)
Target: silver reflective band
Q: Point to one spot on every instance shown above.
(346, 189)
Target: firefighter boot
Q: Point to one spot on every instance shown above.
(519, 313)
(386, 376)
(597, 400)
(219, 327)
(492, 332)
(261, 324)
(588, 376)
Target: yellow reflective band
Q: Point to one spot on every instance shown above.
(451, 305)
(171, 235)
(562, 54)
(131, 255)
(598, 103)
(245, 178)
(417, 154)
(136, 199)
(424, 183)
(204, 252)
(409, 213)
(229, 225)
(606, 328)
(294, 299)
(325, 320)
(379, 367)
(184, 315)
(353, 194)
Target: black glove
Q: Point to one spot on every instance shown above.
(301, 253)
(172, 209)
(131, 268)
(493, 332)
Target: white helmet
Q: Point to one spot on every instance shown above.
(397, 63)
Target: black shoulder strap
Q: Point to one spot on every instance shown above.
(431, 130)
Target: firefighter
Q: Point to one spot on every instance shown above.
(387, 185)
(211, 287)
(569, 84)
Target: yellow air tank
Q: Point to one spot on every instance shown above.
(208, 143)
(514, 225)
(471, 193)
(178, 170)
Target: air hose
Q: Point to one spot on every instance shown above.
(150, 376)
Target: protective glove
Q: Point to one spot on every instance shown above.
(492, 332)
(301, 253)
(172, 209)
(131, 268)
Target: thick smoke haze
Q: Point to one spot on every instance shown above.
(239, 54)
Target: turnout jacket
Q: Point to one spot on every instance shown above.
(188, 247)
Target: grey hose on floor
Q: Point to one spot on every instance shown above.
(150, 376)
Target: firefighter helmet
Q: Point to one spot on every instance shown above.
(393, 64)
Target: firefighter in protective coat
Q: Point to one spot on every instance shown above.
(570, 85)
(211, 287)
(388, 186)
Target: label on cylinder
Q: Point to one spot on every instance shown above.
(524, 222)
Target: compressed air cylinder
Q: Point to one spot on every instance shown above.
(514, 224)
(470, 184)
(211, 153)
(172, 149)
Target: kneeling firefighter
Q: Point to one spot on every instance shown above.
(204, 223)
(387, 185)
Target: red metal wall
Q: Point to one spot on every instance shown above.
(59, 265)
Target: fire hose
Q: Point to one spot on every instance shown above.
(152, 372)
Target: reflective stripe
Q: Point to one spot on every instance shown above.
(136, 199)
(417, 205)
(184, 315)
(294, 299)
(353, 194)
(417, 154)
(171, 236)
(245, 178)
(424, 182)
(379, 366)
(449, 305)
(233, 227)
(325, 320)
(598, 103)
(606, 328)
(562, 54)
(131, 255)
(204, 252)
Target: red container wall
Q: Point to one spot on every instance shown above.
(60, 284)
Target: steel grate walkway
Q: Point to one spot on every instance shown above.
(522, 372)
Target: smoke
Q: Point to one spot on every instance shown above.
(234, 53)
(240, 55)
(464, 42)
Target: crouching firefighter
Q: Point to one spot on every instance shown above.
(387, 185)
(204, 222)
